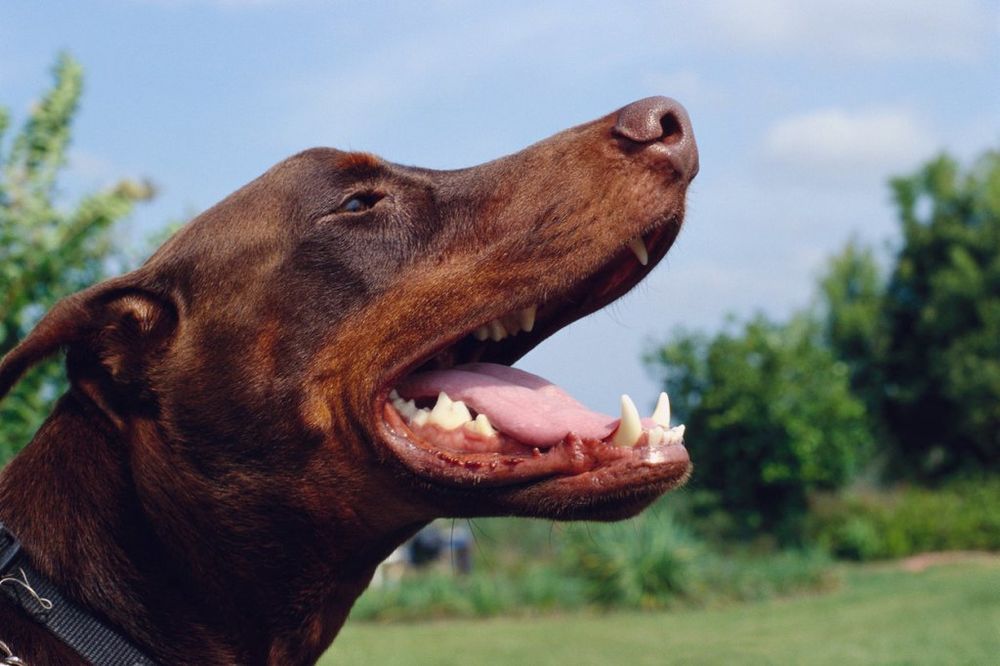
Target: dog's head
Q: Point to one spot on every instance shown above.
(283, 354)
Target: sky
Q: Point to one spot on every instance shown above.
(802, 110)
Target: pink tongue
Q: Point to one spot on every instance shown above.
(532, 410)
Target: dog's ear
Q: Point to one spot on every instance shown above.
(109, 330)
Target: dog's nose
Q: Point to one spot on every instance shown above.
(663, 121)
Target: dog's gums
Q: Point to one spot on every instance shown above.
(316, 367)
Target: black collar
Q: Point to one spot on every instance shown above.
(34, 594)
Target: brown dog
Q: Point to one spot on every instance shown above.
(249, 433)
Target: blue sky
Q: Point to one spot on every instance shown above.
(801, 109)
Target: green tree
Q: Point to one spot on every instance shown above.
(851, 294)
(942, 322)
(46, 250)
(770, 417)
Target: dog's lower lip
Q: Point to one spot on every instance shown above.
(599, 469)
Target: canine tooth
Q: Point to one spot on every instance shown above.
(630, 427)
(394, 395)
(661, 415)
(497, 331)
(481, 426)
(482, 333)
(527, 318)
(656, 436)
(638, 246)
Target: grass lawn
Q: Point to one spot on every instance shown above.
(946, 614)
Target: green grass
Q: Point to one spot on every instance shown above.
(948, 614)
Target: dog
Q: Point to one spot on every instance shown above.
(313, 369)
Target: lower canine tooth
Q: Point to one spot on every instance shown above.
(638, 247)
(630, 427)
(661, 415)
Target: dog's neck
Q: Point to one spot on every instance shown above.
(72, 500)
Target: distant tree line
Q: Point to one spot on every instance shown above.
(894, 373)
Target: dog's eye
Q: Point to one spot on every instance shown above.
(360, 202)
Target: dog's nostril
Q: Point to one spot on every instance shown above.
(652, 119)
(673, 131)
(662, 125)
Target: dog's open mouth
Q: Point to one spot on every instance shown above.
(464, 417)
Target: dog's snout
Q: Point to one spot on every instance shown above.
(665, 122)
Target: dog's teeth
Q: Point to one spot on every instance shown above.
(656, 436)
(638, 247)
(661, 415)
(441, 413)
(407, 408)
(447, 414)
(481, 426)
(677, 435)
(482, 333)
(421, 417)
(527, 318)
(460, 411)
(630, 427)
(497, 331)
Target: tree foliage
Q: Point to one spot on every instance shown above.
(46, 250)
(941, 319)
(770, 415)
(851, 293)
(904, 363)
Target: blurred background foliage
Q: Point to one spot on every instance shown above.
(48, 250)
(865, 426)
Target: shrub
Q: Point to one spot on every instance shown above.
(643, 563)
(772, 419)
(868, 525)
(652, 561)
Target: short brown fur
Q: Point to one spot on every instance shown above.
(214, 483)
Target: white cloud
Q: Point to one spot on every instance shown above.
(866, 29)
(850, 144)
